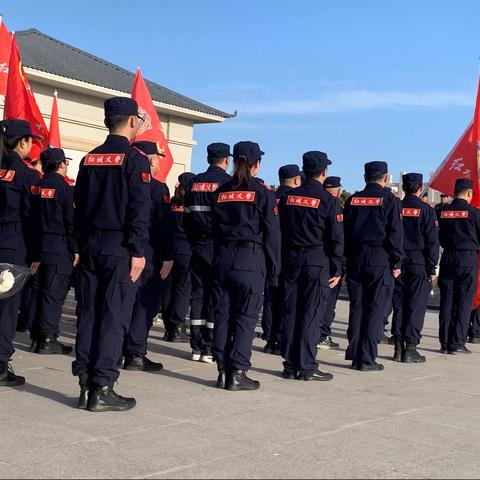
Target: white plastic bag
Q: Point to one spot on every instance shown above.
(12, 279)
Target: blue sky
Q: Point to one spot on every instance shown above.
(362, 80)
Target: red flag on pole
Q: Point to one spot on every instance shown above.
(462, 161)
(20, 101)
(54, 132)
(5, 47)
(151, 127)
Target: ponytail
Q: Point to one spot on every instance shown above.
(179, 195)
(242, 174)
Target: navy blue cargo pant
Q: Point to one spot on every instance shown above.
(12, 250)
(237, 296)
(305, 294)
(410, 300)
(201, 328)
(105, 297)
(147, 304)
(328, 315)
(370, 284)
(29, 304)
(458, 283)
(272, 313)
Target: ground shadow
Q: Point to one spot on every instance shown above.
(50, 394)
(187, 378)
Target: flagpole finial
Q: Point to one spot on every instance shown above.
(55, 92)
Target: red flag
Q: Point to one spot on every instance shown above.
(20, 101)
(151, 127)
(462, 161)
(54, 132)
(5, 46)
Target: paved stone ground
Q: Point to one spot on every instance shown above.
(410, 421)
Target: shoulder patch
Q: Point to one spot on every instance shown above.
(7, 175)
(366, 201)
(146, 177)
(166, 199)
(236, 197)
(299, 201)
(454, 214)
(411, 212)
(35, 189)
(178, 208)
(47, 193)
(104, 160)
(340, 217)
(204, 187)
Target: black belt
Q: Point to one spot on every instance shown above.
(306, 247)
(241, 243)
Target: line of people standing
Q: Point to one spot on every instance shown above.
(217, 247)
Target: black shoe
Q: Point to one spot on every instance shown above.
(141, 364)
(84, 390)
(367, 367)
(49, 345)
(277, 349)
(22, 327)
(443, 348)
(177, 335)
(237, 380)
(410, 355)
(474, 340)
(269, 348)
(397, 354)
(327, 344)
(222, 375)
(105, 399)
(8, 377)
(318, 376)
(457, 350)
(289, 374)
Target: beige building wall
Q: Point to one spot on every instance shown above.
(81, 126)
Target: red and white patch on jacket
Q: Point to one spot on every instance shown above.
(205, 187)
(146, 177)
(411, 212)
(367, 201)
(236, 197)
(7, 175)
(340, 217)
(454, 214)
(104, 159)
(299, 201)
(47, 193)
(34, 189)
(178, 208)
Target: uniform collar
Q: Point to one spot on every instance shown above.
(312, 181)
(215, 168)
(119, 140)
(374, 186)
(459, 201)
(11, 157)
(53, 175)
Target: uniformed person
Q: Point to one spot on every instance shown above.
(247, 241)
(199, 202)
(444, 200)
(112, 200)
(159, 261)
(181, 282)
(289, 177)
(312, 246)
(59, 251)
(459, 233)
(413, 286)
(20, 229)
(373, 251)
(333, 186)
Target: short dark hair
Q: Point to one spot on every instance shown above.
(315, 174)
(461, 190)
(409, 188)
(375, 178)
(214, 160)
(112, 122)
(12, 142)
(51, 167)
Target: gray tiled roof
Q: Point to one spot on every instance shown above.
(41, 52)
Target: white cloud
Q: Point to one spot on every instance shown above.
(354, 100)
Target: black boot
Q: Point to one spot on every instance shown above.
(410, 355)
(397, 354)
(177, 334)
(104, 399)
(84, 389)
(8, 377)
(49, 345)
(141, 364)
(222, 375)
(237, 380)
